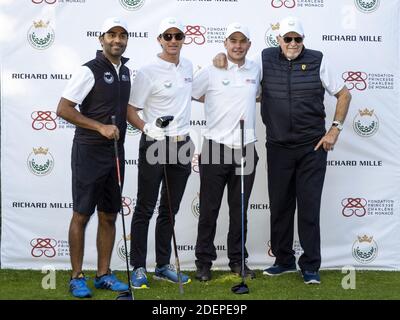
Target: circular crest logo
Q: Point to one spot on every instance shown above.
(367, 6)
(196, 206)
(132, 4)
(270, 35)
(365, 123)
(121, 247)
(40, 161)
(108, 77)
(41, 35)
(365, 249)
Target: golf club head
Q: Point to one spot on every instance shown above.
(164, 121)
(125, 295)
(241, 288)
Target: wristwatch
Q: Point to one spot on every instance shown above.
(338, 125)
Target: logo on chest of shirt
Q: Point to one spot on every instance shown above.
(167, 84)
(250, 81)
(225, 82)
(124, 77)
(108, 77)
(188, 80)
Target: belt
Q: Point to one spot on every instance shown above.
(180, 138)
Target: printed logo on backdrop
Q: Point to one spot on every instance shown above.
(355, 80)
(290, 4)
(270, 35)
(367, 6)
(269, 249)
(366, 123)
(128, 205)
(40, 161)
(259, 207)
(195, 34)
(41, 35)
(361, 81)
(132, 4)
(43, 247)
(360, 207)
(44, 120)
(354, 206)
(195, 163)
(298, 250)
(131, 130)
(200, 35)
(44, 1)
(196, 205)
(121, 247)
(365, 249)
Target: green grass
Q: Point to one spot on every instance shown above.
(26, 285)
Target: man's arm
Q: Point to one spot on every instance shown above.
(342, 106)
(66, 110)
(133, 117)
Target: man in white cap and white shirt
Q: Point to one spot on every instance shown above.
(229, 96)
(161, 88)
(101, 88)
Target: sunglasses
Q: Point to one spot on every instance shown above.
(168, 36)
(290, 39)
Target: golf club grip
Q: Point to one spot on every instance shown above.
(241, 122)
(113, 121)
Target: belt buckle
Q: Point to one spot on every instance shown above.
(178, 138)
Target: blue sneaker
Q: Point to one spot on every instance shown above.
(110, 282)
(277, 270)
(139, 278)
(78, 287)
(311, 277)
(168, 272)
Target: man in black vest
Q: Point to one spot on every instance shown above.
(293, 86)
(101, 87)
(294, 80)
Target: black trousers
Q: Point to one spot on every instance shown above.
(296, 175)
(153, 155)
(216, 172)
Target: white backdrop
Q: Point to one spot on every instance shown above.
(43, 42)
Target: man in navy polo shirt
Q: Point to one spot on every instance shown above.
(101, 88)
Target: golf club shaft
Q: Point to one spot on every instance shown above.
(121, 208)
(242, 189)
(178, 267)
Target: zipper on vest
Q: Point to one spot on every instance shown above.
(290, 94)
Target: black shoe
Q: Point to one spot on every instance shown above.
(236, 267)
(203, 273)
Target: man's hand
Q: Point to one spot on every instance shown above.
(328, 140)
(154, 132)
(109, 131)
(220, 61)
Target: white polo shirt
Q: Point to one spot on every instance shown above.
(230, 95)
(164, 89)
(80, 84)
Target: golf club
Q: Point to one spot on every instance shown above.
(242, 288)
(124, 295)
(163, 122)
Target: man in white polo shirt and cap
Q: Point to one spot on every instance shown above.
(229, 96)
(161, 88)
(101, 87)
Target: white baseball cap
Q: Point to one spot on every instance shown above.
(237, 27)
(112, 22)
(290, 24)
(168, 23)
